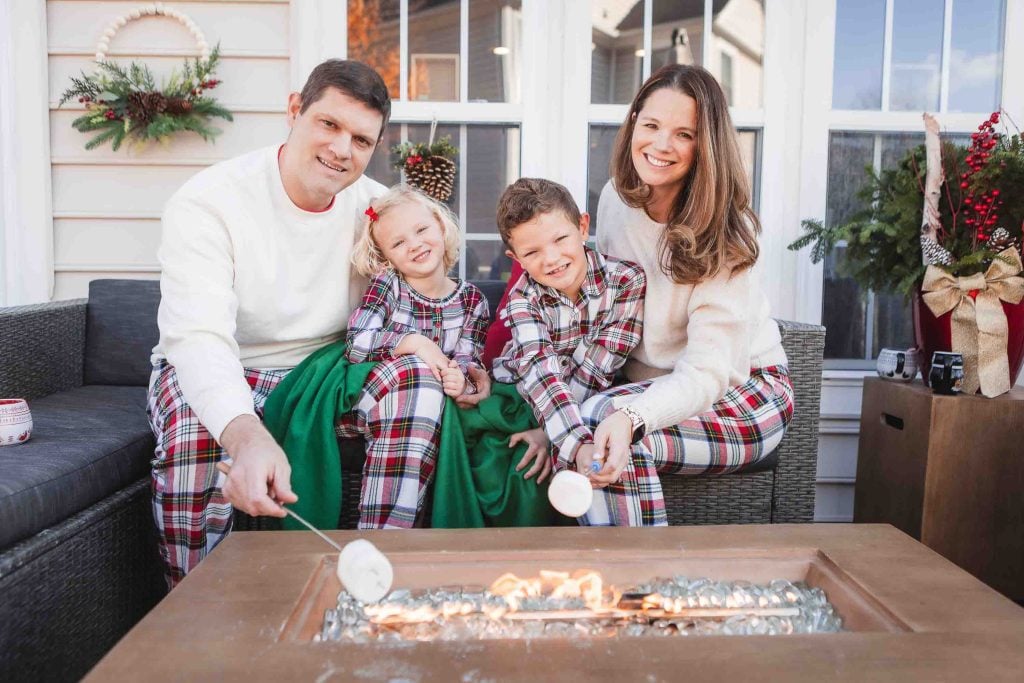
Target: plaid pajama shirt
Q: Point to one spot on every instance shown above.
(563, 352)
(391, 310)
(739, 429)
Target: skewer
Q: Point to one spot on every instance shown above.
(581, 614)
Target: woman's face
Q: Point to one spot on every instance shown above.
(664, 143)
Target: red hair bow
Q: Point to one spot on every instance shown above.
(372, 214)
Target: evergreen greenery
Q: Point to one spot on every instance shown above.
(883, 249)
(440, 148)
(124, 103)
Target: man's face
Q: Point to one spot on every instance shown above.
(329, 146)
(550, 248)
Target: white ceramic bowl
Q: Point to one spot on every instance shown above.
(897, 364)
(15, 421)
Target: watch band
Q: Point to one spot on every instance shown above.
(637, 421)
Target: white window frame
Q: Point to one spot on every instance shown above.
(820, 120)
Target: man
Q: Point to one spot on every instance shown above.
(255, 277)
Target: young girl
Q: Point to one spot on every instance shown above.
(411, 306)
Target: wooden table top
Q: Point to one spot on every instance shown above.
(226, 619)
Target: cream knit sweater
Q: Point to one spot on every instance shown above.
(698, 340)
(249, 280)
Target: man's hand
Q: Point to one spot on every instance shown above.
(482, 381)
(260, 474)
(612, 438)
(536, 450)
(453, 382)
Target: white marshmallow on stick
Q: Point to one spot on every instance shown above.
(570, 493)
(364, 571)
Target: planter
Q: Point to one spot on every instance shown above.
(934, 334)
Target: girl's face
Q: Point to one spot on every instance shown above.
(412, 240)
(664, 143)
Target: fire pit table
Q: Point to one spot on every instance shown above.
(254, 609)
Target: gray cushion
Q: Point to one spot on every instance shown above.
(120, 331)
(86, 444)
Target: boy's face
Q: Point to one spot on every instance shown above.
(550, 248)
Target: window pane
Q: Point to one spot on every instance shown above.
(916, 55)
(848, 155)
(492, 163)
(373, 37)
(380, 167)
(893, 323)
(976, 57)
(737, 51)
(434, 50)
(495, 51)
(857, 72)
(616, 65)
(677, 30)
(486, 260)
(842, 313)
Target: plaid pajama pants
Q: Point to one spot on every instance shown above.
(742, 427)
(398, 413)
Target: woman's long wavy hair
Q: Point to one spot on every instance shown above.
(711, 223)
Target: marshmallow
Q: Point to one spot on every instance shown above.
(364, 571)
(570, 493)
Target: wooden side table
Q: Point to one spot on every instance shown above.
(949, 471)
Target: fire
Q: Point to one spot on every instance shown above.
(587, 585)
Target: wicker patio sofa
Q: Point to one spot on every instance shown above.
(78, 558)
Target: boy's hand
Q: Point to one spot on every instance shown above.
(482, 381)
(585, 460)
(536, 450)
(612, 438)
(452, 380)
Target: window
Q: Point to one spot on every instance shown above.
(891, 58)
(458, 63)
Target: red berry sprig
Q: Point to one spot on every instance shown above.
(981, 211)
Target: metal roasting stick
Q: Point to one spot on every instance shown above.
(226, 469)
(614, 613)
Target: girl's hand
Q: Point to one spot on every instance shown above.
(431, 354)
(612, 438)
(482, 381)
(584, 461)
(536, 450)
(452, 380)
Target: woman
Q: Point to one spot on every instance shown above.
(709, 390)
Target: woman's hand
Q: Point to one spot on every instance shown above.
(453, 382)
(613, 438)
(536, 450)
(482, 381)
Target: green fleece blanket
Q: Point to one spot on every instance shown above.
(475, 482)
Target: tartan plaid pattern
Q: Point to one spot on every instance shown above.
(399, 414)
(192, 515)
(564, 352)
(391, 310)
(742, 427)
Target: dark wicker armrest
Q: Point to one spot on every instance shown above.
(793, 497)
(42, 347)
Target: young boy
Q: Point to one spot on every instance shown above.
(575, 315)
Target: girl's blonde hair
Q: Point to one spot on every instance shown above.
(711, 224)
(367, 257)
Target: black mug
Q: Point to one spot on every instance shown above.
(947, 372)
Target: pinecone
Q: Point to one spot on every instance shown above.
(143, 107)
(1001, 240)
(935, 254)
(177, 106)
(434, 175)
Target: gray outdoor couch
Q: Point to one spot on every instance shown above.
(78, 558)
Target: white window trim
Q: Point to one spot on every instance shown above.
(26, 221)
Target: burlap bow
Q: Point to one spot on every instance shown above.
(979, 324)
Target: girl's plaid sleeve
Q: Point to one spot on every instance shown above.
(620, 327)
(372, 332)
(539, 370)
(474, 333)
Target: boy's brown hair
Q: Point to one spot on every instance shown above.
(526, 198)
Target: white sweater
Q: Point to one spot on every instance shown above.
(249, 280)
(698, 340)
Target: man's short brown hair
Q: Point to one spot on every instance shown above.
(526, 198)
(355, 79)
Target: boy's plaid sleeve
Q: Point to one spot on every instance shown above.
(619, 331)
(372, 333)
(539, 373)
(471, 344)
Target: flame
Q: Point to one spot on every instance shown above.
(584, 584)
